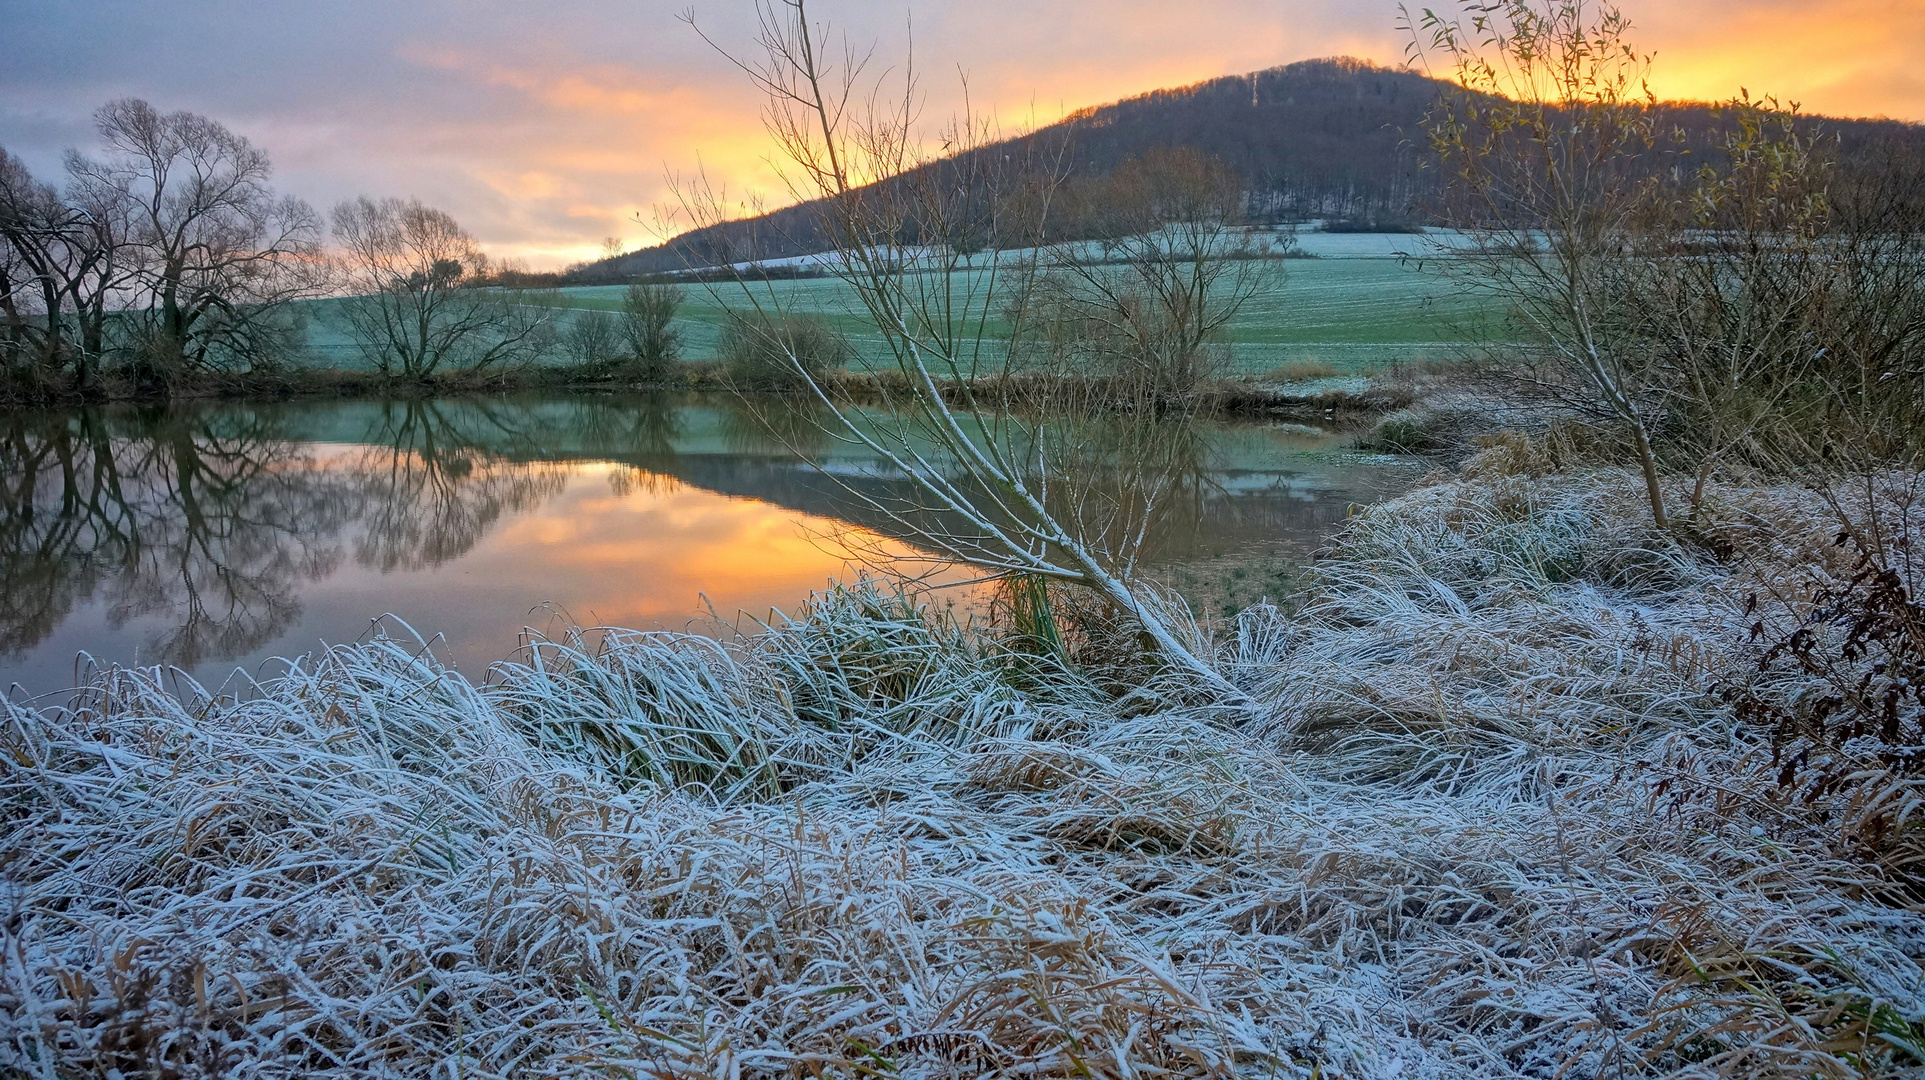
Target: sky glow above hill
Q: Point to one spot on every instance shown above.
(545, 128)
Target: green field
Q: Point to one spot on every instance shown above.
(1357, 314)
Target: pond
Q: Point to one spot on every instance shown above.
(216, 537)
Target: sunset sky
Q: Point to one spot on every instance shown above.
(546, 127)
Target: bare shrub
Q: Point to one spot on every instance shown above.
(1160, 269)
(1840, 682)
(1408, 431)
(781, 351)
(1734, 301)
(593, 341)
(1776, 310)
(1544, 150)
(1131, 349)
(647, 318)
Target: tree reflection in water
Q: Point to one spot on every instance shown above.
(208, 520)
(638, 432)
(428, 489)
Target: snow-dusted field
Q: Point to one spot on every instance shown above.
(1309, 239)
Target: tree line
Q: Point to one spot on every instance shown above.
(167, 257)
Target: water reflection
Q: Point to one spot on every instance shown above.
(429, 490)
(208, 536)
(212, 520)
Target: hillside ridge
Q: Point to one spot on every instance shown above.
(1332, 137)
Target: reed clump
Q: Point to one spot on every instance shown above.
(1495, 812)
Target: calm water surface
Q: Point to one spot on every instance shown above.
(218, 537)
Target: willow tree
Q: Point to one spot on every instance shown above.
(213, 254)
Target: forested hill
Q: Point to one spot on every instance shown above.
(1313, 138)
(1321, 137)
(1329, 138)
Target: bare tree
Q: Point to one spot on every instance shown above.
(1545, 149)
(36, 257)
(1162, 272)
(62, 258)
(213, 253)
(418, 299)
(918, 241)
(108, 278)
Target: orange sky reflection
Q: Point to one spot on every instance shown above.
(646, 557)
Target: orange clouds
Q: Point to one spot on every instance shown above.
(1841, 57)
(611, 132)
(1028, 64)
(606, 138)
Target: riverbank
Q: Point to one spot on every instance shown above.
(1507, 804)
(1245, 397)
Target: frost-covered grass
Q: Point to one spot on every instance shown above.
(1491, 817)
(1357, 314)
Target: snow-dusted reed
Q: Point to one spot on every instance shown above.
(1489, 818)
